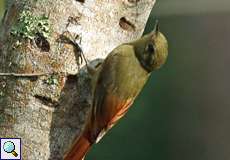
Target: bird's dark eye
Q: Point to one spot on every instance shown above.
(150, 48)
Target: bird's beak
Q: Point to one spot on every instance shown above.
(156, 28)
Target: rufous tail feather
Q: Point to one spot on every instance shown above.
(79, 149)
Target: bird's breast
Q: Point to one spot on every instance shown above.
(129, 77)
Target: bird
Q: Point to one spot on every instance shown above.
(119, 80)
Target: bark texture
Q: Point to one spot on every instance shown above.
(48, 111)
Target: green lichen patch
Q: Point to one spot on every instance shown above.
(52, 80)
(30, 26)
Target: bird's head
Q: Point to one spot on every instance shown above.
(152, 49)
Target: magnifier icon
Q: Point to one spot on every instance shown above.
(9, 147)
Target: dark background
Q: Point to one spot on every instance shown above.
(183, 112)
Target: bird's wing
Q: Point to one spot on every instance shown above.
(115, 109)
(108, 105)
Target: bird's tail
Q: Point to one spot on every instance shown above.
(79, 149)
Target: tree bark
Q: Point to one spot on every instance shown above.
(47, 108)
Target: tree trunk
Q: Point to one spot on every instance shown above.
(47, 108)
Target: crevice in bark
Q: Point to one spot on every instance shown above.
(42, 43)
(126, 25)
(46, 100)
(82, 1)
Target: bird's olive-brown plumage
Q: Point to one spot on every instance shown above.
(120, 79)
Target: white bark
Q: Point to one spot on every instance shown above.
(48, 117)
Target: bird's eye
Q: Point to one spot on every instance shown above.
(150, 48)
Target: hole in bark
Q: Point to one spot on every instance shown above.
(126, 25)
(74, 20)
(33, 79)
(82, 1)
(46, 100)
(72, 79)
(133, 1)
(42, 43)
